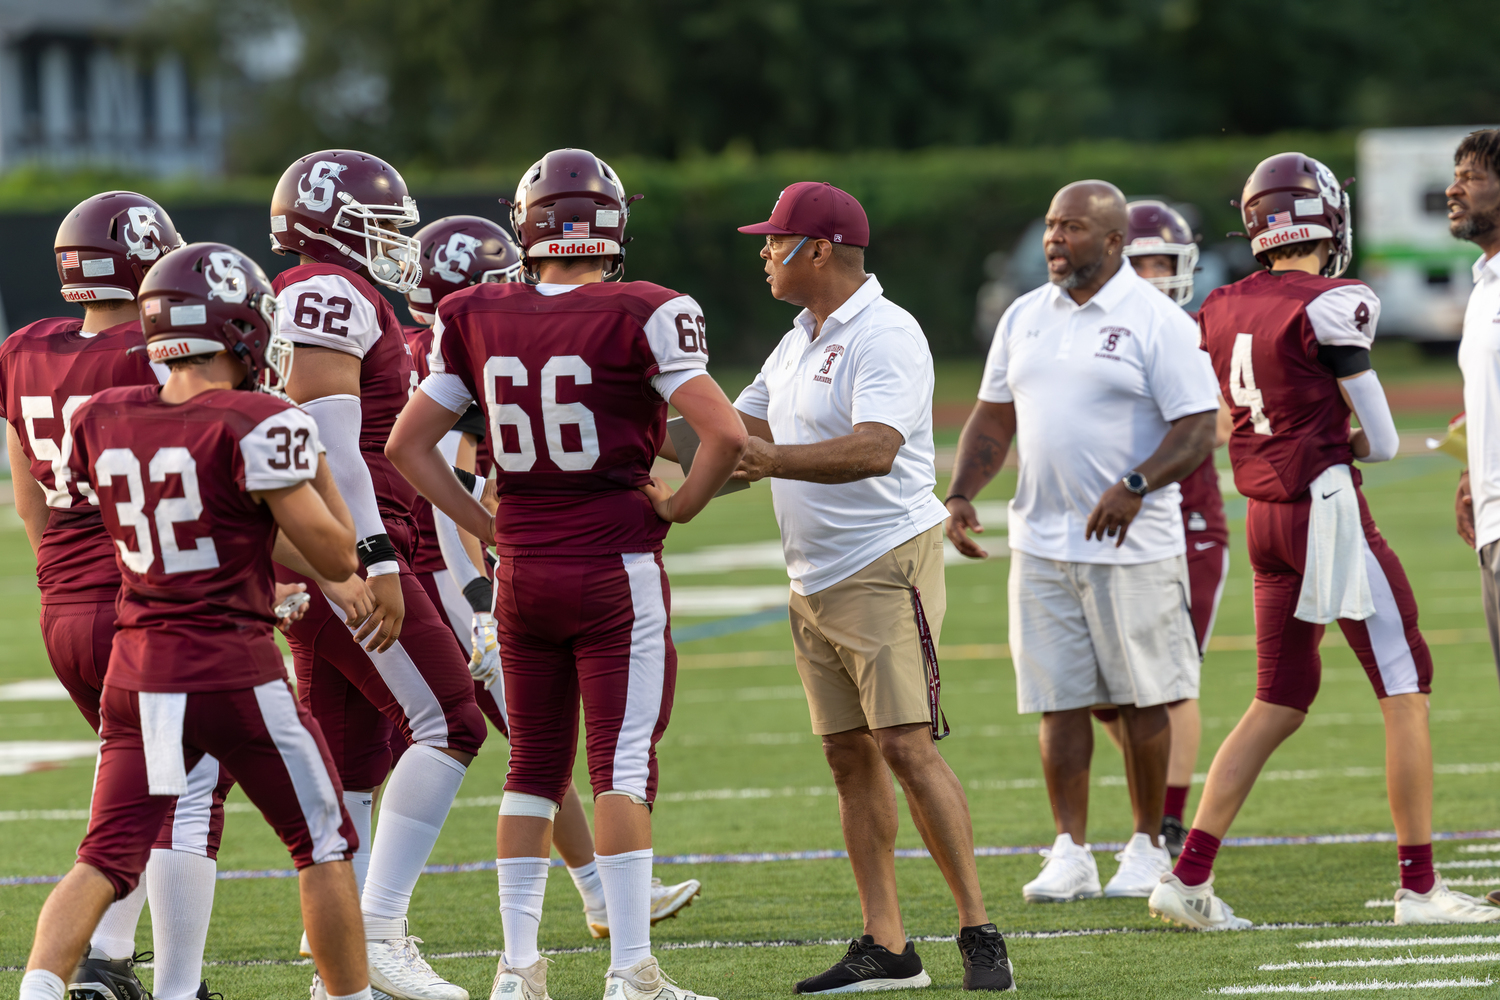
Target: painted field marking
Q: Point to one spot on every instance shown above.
(1373, 985)
(21, 756)
(1481, 849)
(1410, 942)
(1367, 963)
(1486, 863)
(41, 689)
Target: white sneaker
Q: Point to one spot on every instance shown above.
(1142, 864)
(303, 948)
(1442, 905)
(666, 901)
(320, 992)
(1193, 906)
(645, 981)
(1069, 873)
(397, 968)
(529, 983)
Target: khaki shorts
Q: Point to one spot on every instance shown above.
(857, 645)
(1085, 634)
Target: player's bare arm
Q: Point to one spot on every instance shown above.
(321, 372)
(718, 426)
(869, 451)
(1463, 509)
(325, 541)
(31, 502)
(982, 448)
(413, 450)
(1224, 426)
(468, 456)
(1187, 444)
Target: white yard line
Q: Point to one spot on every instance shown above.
(1409, 942)
(1369, 963)
(21, 756)
(1467, 982)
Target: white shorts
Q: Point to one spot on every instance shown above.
(1085, 634)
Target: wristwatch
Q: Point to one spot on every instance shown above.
(1135, 483)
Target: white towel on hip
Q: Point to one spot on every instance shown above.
(1335, 580)
(161, 732)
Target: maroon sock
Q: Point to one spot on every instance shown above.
(1197, 861)
(1416, 867)
(1176, 800)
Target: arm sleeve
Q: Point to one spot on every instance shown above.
(1345, 316)
(755, 398)
(338, 420)
(994, 388)
(1179, 373)
(326, 310)
(1374, 415)
(281, 451)
(676, 335)
(460, 566)
(1344, 359)
(892, 380)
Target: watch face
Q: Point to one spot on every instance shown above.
(1135, 483)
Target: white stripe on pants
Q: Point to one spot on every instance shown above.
(321, 807)
(648, 661)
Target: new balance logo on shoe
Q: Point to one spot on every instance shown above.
(865, 968)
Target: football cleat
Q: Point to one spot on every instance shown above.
(398, 968)
(99, 977)
(666, 901)
(645, 981)
(1068, 873)
(1142, 864)
(203, 993)
(1193, 906)
(529, 983)
(1173, 835)
(867, 967)
(1442, 905)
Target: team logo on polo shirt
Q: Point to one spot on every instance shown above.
(833, 352)
(1112, 336)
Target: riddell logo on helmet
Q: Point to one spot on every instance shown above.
(166, 350)
(1298, 234)
(577, 248)
(79, 294)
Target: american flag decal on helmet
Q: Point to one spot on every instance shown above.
(70, 259)
(1274, 219)
(579, 230)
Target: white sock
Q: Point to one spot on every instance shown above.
(181, 886)
(39, 984)
(360, 805)
(115, 935)
(416, 802)
(363, 994)
(586, 878)
(627, 892)
(523, 885)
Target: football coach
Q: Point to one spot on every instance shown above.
(1099, 378)
(840, 419)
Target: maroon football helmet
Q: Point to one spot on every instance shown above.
(459, 251)
(1292, 198)
(208, 298)
(1155, 227)
(108, 242)
(571, 204)
(335, 207)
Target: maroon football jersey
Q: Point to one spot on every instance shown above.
(324, 305)
(564, 380)
(47, 370)
(193, 547)
(429, 556)
(1263, 334)
(1203, 504)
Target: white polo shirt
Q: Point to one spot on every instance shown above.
(869, 364)
(1479, 360)
(1096, 388)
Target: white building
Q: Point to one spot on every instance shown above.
(74, 93)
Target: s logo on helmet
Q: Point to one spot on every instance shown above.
(315, 188)
(141, 226)
(452, 262)
(226, 278)
(1328, 185)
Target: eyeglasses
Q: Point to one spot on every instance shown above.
(773, 245)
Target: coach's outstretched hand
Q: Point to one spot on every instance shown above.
(383, 626)
(962, 519)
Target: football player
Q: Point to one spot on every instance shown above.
(104, 247)
(574, 374)
(457, 252)
(195, 479)
(1291, 348)
(341, 213)
(1160, 245)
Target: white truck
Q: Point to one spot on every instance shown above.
(1402, 245)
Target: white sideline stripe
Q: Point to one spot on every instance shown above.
(1376, 904)
(695, 601)
(1410, 942)
(1367, 963)
(21, 756)
(1487, 863)
(1481, 849)
(42, 689)
(1467, 982)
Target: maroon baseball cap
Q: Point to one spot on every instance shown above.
(816, 209)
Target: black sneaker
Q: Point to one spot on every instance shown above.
(203, 993)
(868, 966)
(100, 978)
(986, 966)
(1173, 835)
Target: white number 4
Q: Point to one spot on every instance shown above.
(1242, 384)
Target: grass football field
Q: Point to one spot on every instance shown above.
(742, 775)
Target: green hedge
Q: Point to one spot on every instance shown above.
(934, 215)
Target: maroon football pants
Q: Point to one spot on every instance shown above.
(262, 733)
(442, 591)
(1389, 645)
(78, 638)
(592, 629)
